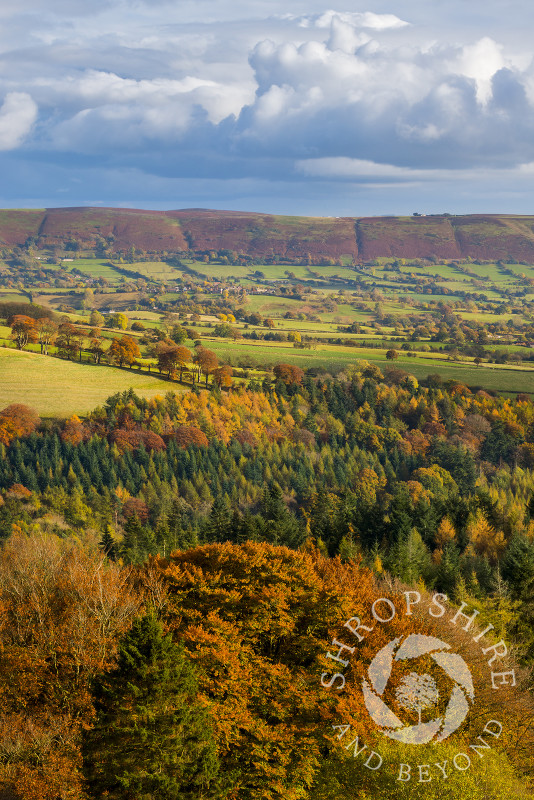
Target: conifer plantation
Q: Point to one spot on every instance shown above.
(173, 572)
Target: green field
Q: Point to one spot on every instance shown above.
(95, 268)
(55, 387)
(154, 270)
(329, 357)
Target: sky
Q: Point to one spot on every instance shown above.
(275, 106)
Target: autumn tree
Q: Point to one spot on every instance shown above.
(96, 346)
(186, 435)
(183, 357)
(124, 351)
(23, 331)
(485, 539)
(260, 649)
(96, 319)
(206, 362)
(17, 420)
(167, 358)
(289, 374)
(222, 376)
(63, 609)
(47, 331)
(69, 340)
(117, 320)
(152, 736)
(172, 357)
(391, 355)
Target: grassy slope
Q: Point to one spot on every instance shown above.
(60, 388)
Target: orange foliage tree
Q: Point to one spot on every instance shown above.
(17, 420)
(206, 362)
(62, 609)
(124, 351)
(257, 621)
(222, 376)
(23, 330)
(289, 373)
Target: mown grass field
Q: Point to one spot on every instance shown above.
(58, 388)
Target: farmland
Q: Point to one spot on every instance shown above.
(407, 294)
(60, 388)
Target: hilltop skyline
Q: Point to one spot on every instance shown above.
(366, 109)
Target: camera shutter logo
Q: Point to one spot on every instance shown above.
(416, 691)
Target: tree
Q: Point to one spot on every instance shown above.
(152, 739)
(178, 334)
(289, 374)
(206, 361)
(117, 320)
(391, 355)
(64, 610)
(222, 376)
(96, 320)
(69, 340)
(96, 348)
(23, 331)
(47, 331)
(17, 420)
(222, 330)
(124, 350)
(167, 358)
(186, 435)
(183, 357)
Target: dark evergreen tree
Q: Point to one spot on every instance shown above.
(152, 738)
(108, 545)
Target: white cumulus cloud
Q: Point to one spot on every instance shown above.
(17, 116)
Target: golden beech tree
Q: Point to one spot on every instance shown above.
(23, 331)
(257, 621)
(206, 361)
(17, 420)
(124, 351)
(62, 609)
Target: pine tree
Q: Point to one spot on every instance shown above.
(108, 544)
(152, 739)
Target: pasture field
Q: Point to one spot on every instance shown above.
(335, 358)
(153, 270)
(95, 268)
(58, 388)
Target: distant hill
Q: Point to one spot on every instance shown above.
(487, 237)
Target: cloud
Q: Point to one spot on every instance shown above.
(354, 169)
(367, 19)
(17, 116)
(213, 90)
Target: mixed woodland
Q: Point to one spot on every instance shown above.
(173, 570)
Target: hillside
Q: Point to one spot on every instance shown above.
(492, 237)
